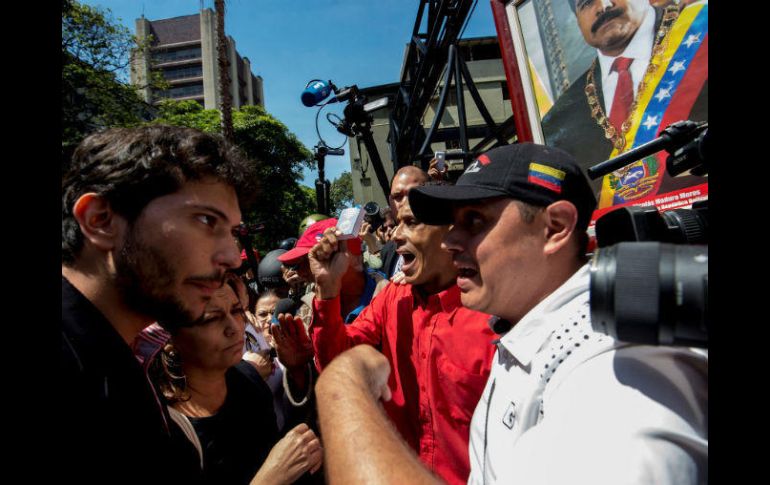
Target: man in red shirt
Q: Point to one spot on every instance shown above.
(439, 351)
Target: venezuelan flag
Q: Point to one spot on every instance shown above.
(546, 176)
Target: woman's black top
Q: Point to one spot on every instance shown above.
(238, 438)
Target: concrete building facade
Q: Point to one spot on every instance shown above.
(482, 56)
(184, 51)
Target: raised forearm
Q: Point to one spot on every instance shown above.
(354, 425)
(329, 336)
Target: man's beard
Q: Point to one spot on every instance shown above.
(146, 280)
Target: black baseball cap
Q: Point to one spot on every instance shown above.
(532, 173)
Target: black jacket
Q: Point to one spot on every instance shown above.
(113, 429)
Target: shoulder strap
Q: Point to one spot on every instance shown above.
(187, 428)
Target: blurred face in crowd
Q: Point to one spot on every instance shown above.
(609, 25)
(215, 341)
(265, 308)
(297, 273)
(386, 231)
(405, 179)
(425, 263)
(390, 222)
(175, 254)
(499, 257)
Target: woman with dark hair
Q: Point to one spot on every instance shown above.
(224, 406)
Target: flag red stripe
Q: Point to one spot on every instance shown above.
(545, 183)
(684, 98)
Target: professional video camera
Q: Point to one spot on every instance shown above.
(357, 122)
(649, 275)
(373, 215)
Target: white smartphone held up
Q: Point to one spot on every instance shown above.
(349, 223)
(440, 157)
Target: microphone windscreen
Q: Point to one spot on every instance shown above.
(315, 93)
(286, 305)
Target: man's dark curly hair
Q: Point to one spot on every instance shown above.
(130, 167)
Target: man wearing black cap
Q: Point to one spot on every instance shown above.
(563, 404)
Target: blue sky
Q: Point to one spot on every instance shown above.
(290, 42)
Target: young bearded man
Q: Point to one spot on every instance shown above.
(147, 234)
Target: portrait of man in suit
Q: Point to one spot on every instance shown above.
(650, 70)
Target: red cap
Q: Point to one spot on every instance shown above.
(311, 236)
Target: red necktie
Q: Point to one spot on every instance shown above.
(624, 92)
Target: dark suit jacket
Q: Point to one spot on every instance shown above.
(568, 125)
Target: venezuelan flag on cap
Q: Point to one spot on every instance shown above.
(545, 176)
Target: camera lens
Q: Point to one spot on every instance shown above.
(372, 216)
(651, 293)
(686, 226)
(371, 208)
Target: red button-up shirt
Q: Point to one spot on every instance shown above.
(440, 355)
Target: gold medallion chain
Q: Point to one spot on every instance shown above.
(597, 112)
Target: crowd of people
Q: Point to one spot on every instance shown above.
(465, 315)
(452, 343)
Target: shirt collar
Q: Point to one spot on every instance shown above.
(640, 47)
(449, 299)
(528, 335)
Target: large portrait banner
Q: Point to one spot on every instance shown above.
(600, 77)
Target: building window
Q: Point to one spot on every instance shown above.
(161, 56)
(452, 144)
(506, 94)
(182, 72)
(182, 91)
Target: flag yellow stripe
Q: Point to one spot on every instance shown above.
(547, 170)
(544, 101)
(678, 30)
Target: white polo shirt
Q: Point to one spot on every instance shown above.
(564, 404)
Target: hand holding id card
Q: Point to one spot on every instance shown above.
(349, 223)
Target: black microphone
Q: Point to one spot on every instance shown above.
(673, 136)
(286, 305)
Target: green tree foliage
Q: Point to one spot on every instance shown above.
(279, 158)
(95, 55)
(341, 193)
